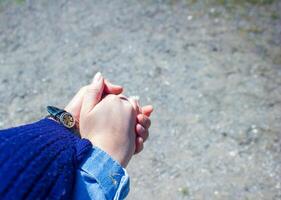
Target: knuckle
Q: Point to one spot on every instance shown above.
(92, 90)
(145, 120)
(113, 97)
(140, 128)
(128, 105)
(141, 117)
(123, 97)
(84, 88)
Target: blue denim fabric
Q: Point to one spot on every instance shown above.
(100, 177)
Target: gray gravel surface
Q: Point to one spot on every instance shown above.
(212, 73)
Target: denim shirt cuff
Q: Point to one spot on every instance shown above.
(109, 174)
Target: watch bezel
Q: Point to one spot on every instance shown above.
(61, 118)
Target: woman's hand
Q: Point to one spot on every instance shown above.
(88, 98)
(143, 124)
(110, 125)
(74, 106)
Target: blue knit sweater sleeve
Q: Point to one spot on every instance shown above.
(39, 161)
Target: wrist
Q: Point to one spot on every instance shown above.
(118, 152)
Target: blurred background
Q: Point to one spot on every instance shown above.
(212, 70)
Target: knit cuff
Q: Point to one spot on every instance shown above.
(39, 160)
(82, 146)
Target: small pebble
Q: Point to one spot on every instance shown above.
(212, 10)
(19, 110)
(232, 153)
(167, 83)
(255, 131)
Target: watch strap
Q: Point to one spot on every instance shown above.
(54, 111)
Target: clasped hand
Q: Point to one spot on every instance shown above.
(114, 123)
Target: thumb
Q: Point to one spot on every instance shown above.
(93, 93)
(74, 106)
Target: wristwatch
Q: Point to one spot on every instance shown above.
(61, 116)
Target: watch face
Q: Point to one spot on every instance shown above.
(67, 120)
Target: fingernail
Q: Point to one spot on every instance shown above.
(97, 77)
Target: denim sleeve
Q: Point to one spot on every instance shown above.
(100, 177)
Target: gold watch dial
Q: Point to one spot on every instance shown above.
(67, 120)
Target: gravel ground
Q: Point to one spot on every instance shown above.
(213, 73)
